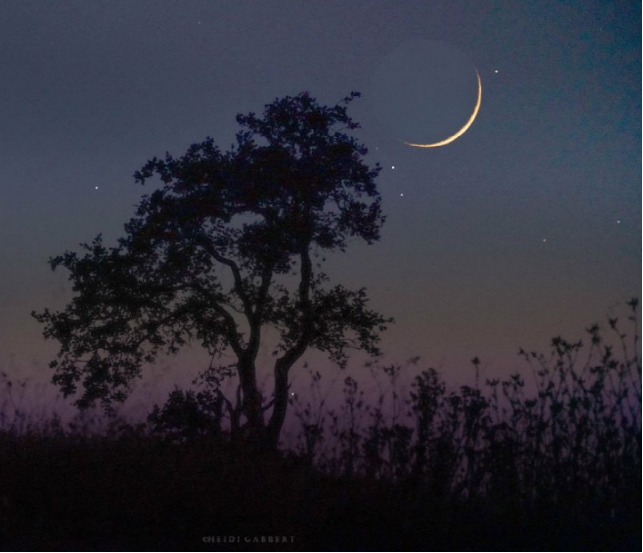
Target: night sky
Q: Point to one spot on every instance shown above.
(526, 227)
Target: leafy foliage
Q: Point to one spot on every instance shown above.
(229, 243)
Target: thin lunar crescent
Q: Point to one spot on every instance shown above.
(462, 130)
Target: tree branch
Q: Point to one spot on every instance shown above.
(236, 273)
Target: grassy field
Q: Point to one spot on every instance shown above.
(553, 465)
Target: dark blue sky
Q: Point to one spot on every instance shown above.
(526, 227)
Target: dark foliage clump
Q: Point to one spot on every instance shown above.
(509, 465)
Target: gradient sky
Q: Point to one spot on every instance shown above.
(526, 227)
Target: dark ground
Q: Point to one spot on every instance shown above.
(133, 493)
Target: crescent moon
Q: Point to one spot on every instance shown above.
(462, 130)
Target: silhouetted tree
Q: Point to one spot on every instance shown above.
(229, 243)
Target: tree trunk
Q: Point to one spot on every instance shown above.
(280, 405)
(252, 403)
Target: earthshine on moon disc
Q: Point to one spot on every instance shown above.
(427, 93)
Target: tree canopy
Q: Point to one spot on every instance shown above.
(226, 244)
